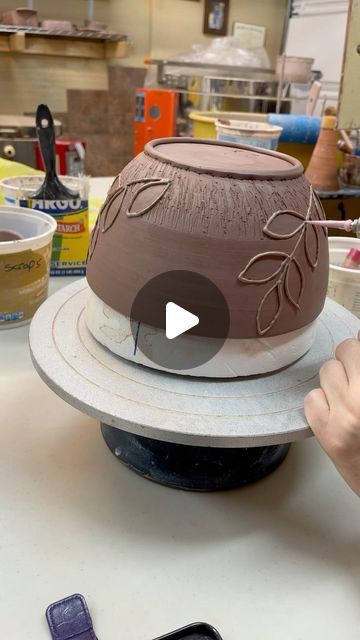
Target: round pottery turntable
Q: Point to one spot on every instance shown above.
(186, 432)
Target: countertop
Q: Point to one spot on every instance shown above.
(278, 560)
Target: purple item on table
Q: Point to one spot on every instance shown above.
(69, 619)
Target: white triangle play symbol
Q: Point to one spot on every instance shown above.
(178, 320)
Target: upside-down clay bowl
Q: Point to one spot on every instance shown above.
(240, 216)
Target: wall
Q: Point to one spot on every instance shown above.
(158, 28)
(177, 24)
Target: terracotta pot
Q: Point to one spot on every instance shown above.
(237, 215)
(58, 25)
(322, 168)
(94, 25)
(22, 17)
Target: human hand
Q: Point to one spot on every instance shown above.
(333, 411)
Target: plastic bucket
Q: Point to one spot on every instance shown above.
(344, 284)
(71, 240)
(255, 134)
(24, 263)
(203, 122)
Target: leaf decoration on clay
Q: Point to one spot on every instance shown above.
(294, 272)
(268, 256)
(147, 196)
(114, 186)
(311, 243)
(275, 293)
(290, 280)
(288, 218)
(112, 209)
(94, 238)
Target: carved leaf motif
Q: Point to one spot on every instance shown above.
(274, 296)
(114, 186)
(312, 245)
(112, 209)
(269, 257)
(94, 238)
(295, 274)
(284, 218)
(147, 196)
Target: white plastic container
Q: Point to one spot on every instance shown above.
(24, 264)
(71, 240)
(344, 284)
(254, 134)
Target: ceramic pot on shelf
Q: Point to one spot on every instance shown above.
(23, 17)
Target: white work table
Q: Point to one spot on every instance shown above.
(277, 560)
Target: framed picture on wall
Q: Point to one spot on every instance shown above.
(251, 35)
(216, 14)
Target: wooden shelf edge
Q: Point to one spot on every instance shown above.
(21, 44)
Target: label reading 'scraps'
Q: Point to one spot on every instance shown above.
(71, 239)
(23, 284)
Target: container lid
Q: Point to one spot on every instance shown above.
(224, 159)
(249, 126)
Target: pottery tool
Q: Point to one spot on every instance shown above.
(342, 146)
(348, 145)
(351, 226)
(52, 188)
(313, 98)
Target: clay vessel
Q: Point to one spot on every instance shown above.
(58, 25)
(322, 168)
(94, 25)
(236, 215)
(23, 17)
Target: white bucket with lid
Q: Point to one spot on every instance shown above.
(254, 134)
(344, 284)
(24, 263)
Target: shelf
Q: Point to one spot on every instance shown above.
(28, 41)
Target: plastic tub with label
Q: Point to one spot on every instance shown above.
(255, 134)
(344, 284)
(25, 251)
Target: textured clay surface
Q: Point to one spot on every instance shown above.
(249, 235)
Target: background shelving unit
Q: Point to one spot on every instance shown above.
(76, 44)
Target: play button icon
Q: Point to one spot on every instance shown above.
(178, 320)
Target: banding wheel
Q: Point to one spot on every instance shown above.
(256, 412)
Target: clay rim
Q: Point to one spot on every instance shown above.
(295, 169)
